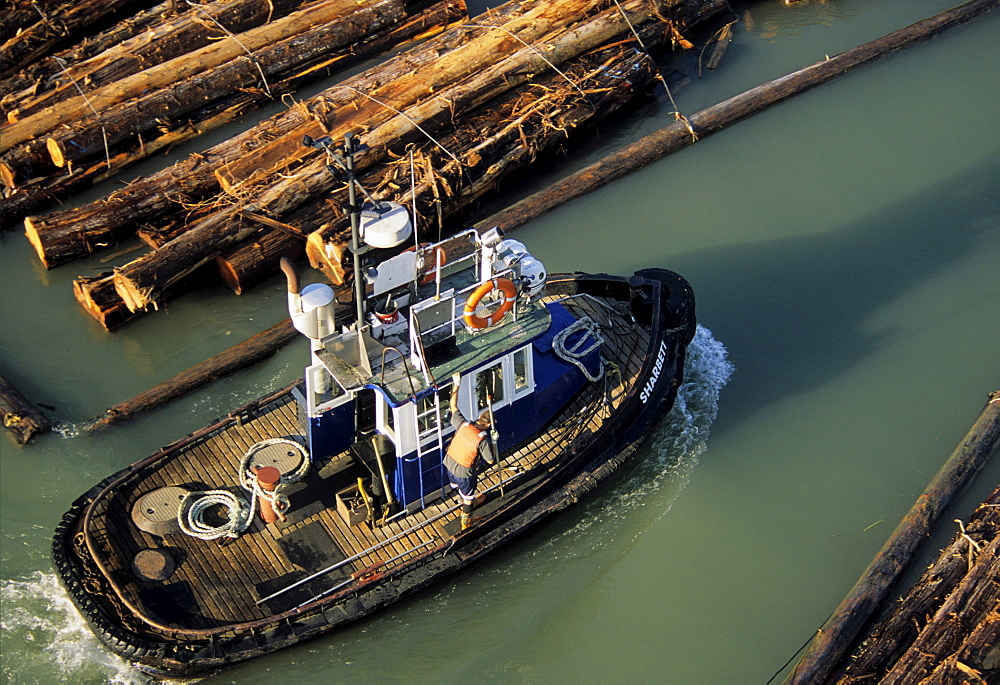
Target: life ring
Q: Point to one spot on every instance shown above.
(510, 294)
(429, 276)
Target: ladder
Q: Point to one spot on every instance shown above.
(431, 417)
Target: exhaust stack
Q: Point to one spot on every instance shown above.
(311, 308)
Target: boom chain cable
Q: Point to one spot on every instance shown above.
(659, 74)
(229, 33)
(104, 132)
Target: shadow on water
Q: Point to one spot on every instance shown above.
(793, 311)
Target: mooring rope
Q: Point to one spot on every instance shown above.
(191, 515)
(249, 479)
(575, 354)
(659, 75)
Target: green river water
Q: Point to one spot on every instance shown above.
(845, 251)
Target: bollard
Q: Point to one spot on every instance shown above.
(268, 478)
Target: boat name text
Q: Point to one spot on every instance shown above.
(657, 368)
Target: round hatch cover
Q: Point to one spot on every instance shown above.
(156, 511)
(285, 456)
(153, 564)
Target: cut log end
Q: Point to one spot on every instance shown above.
(325, 256)
(7, 176)
(35, 238)
(55, 152)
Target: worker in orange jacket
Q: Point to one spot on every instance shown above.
(470, 451)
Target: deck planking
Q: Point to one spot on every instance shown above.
(222, 578)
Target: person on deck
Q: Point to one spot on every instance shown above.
(471, 447)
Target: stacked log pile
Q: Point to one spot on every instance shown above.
(468, 107)
(190, 74)
(947, 628)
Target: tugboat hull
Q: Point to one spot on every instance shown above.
(339, 572)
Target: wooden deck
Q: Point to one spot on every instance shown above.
(217, 585)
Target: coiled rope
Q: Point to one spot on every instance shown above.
(249, 479)
(194, 505)
(575, 354)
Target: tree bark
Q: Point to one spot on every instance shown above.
(35, 76)
(450, 104)
(187, 182)
(140, 282)
(494, 142)
(946, 618)
(125, 124)
(171, 71)
(686, 131)
(833, 640)
(172, 38)
(20, 417)
(250, 351)
(59, 27)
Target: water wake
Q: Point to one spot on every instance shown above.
(46, 640)
(664, 466)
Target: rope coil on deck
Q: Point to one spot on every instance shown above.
(574, 355)
(194, 505)
(248, 479)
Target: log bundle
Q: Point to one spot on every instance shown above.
(141, 96)
(251, 199)
(947, 627)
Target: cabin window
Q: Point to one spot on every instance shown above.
(489, 387)
(521, 381)
(427, 414)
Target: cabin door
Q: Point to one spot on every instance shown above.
(498, 388)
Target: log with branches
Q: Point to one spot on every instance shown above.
(62, 236)
(171, 37)
(139, 281)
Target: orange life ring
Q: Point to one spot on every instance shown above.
(510, 294)
(429, 276)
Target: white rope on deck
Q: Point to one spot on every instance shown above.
(575, 354)
(195, 504)
(249, 479)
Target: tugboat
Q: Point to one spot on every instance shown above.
(329, 499)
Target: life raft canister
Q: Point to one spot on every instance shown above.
(465, 445)
(509, 291)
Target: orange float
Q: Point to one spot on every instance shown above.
(509, 291)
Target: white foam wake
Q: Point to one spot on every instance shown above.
(663, 467)
(46, 640)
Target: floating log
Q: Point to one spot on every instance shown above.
(250, 351)
(259, 78)
(495, 142)
(20, 14)
(946, 629)
(20, 417)
(140, 281)
(449, 106)
(58, 26)
(687, 130)
(173, 37)
(834, 639)
(62, 236)
(167, 73)
(34, 77)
